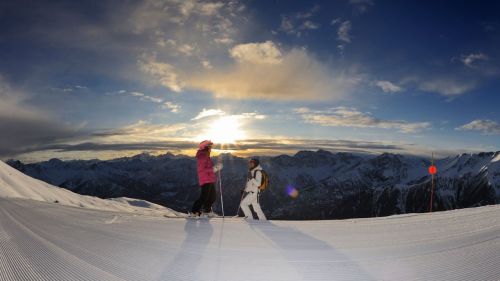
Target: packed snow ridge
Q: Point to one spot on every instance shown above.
(14, 184)
(107, 240)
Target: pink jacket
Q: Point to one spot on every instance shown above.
(205, 168)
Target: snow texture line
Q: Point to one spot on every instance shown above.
(41, 241)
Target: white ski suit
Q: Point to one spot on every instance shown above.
(251, 198)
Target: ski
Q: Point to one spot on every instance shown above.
(204, 217)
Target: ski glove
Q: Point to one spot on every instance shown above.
(218, 167)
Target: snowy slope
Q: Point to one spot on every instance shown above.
(41, 241)
(14, 184)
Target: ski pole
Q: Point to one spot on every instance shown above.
(221, 197)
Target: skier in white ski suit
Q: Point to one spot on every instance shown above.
(252, 191)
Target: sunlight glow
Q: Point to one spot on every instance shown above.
(225, 130)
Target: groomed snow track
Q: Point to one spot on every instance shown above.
(42, 241)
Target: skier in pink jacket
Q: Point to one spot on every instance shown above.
(206, 179)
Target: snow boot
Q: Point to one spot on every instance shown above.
(194, 215)
(210, 214)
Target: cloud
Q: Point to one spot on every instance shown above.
(125, 146)
(257, 53)
(361, 6)
(263, 71)
(295, 23)
(343, 32)
(195, 23)
(486, 126)
(178, 36)
(309, 25)
(70, 89)
(184, 34)
(218, 112)
(152, 99)
(210, 9)
(23, 128)
(287, 25)
(447, 86)
(206, 64)
(343, 35)
(155, 13)
(142, 130)
(142, 96)
(309, 13)
(66, 90)
(253, 115)
(480, 62)
(224, 40)
(113, 34)
(263, 145)
(469, 60)
(41, 139)
(388, 87)
(186, 49)
(335, 21)
(311, 144)
(163, 72)
(245, 148)
(174, 108)
(209, 113)
(350, 117)
(164, 43)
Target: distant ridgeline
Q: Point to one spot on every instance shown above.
(330, 186)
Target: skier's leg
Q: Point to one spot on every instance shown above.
(245, 203)
(211, 197)
(258, 210)
(207, 207)
(199, 203)
(239, 204)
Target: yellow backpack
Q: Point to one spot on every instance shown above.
(264, 183)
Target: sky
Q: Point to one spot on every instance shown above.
(106, 79)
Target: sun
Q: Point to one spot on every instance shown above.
(225, 130)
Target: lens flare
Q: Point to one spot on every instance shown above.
(292, 191)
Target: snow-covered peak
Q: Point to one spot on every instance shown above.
(496, 157)
(468, 164)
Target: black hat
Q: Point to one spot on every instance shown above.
(255, 160)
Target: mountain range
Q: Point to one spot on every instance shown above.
(329, 185)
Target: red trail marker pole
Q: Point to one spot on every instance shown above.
(432, 171)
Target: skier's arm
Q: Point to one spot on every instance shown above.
(257, 180)
(209, 165)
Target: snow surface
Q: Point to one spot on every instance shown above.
(41, 241)
(14, 184)
(105, 241)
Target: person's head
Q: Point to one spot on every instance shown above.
(206, 145)
(252, 163)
